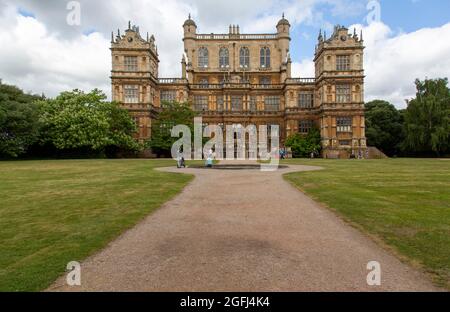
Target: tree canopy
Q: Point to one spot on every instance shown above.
(78, 120)
(384, 127)
(19, 126)
(303, 146)
(171, 114)
(427, 118)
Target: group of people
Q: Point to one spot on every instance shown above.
(209, 156)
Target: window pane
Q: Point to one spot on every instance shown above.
(168, 96)
(236, 103)
(131, 63)
(343, 93)
(131, 94)
(306, 100)
(244, 56)
(224, 60)
(343, 62)
(203, 57)
(344, 124)
(201, 103)
(272, 103)
(305, 126)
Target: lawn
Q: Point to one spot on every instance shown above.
(53, 212)
(403, 202)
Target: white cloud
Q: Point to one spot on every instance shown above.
(393, 62)
(36, 60)
(304, 69)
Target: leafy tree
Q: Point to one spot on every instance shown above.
(384, 127)
(303, 146)
(171, 114)
(19, 127)
(85, 121)
(427, 118)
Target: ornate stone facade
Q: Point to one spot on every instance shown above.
(236, 78)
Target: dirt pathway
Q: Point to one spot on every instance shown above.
(242, 231)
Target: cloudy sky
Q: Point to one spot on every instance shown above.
(41, 52)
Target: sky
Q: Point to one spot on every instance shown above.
(44, 50)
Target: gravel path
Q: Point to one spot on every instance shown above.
(243, 231)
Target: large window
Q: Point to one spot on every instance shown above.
(131, 94)
(201, 103)
(305, 126)
(219, 103)
(265, 57)
(168, 96)
(272, 103)
(306, 100)
(343, 93)
(131, 63)
(203, 57)
(253, 103)
(244, 57)
(344, 124)
(224, 58)
(236, 103)
(343, 62)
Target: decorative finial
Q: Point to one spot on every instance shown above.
(147, 36)
(112, 37)
(189, 15)
(283, 15)
(129, 25)
(361, 38)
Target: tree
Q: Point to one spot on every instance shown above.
(86, 122)
(384, 127)
(171, 114)
(427, 118)
(19, 126)
(303, 146)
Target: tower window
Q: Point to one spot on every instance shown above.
(305, 126)
(224, 58)
(343, 62)
(201, 103)
(236, 103)
(265, 57)
(344, 124)
(203, 57)
(306, 100)
(131, 94)
(131, 63)
(343, 93)
(168, 96)
(244, 57)
(272, 103)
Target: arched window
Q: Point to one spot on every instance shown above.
(203, 57)
(244, 57)
(224, 58)
(265, 57)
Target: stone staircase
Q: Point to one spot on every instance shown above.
(375, 153)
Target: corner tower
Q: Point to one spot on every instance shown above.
(340, 92)
(134, 76)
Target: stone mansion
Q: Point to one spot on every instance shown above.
(235, 78)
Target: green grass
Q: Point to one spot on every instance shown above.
(403, 202)
(53, 212)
